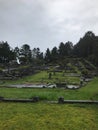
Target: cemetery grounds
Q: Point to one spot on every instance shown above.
(45, 115)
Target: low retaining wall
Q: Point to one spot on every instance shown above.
(34, 99)
(60, 101)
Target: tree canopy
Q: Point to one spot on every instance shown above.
(87, 47)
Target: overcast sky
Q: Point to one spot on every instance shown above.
(46, 23)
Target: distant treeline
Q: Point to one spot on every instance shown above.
(87, 47)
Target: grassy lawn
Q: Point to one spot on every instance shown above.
(42, 116)
(45, 116)
(90, 91)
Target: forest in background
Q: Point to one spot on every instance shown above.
(87, 48)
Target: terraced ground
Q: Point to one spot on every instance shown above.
(89, 91)
(43, 77)
(58, 73)
(48, 116)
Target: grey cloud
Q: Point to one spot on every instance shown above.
(45, 23)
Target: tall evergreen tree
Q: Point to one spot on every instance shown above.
(6, 53)
(54, 54)
(48, 56)
(85, 47)
(61, 50)
(68, 48)
(25, 54)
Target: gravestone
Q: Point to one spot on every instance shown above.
(61, 100)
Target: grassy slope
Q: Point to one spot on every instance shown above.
(42, 116)
(91, 90)
(42, 77)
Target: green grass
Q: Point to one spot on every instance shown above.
(42, 116)
(46, 116)
(43, 77)
(90, 91)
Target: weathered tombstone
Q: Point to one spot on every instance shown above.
(50, 75)
(61, 100)
(81, 83)
(35, 99)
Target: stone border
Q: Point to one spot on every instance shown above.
(60, 101)
(34, 99)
